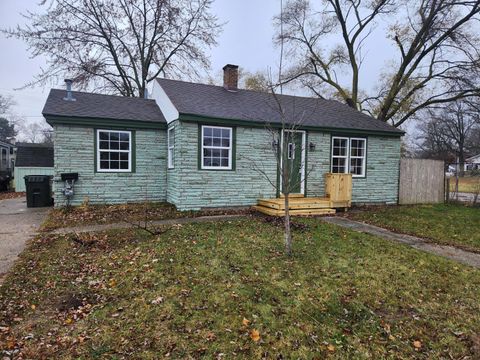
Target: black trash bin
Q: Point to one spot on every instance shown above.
(38, 190)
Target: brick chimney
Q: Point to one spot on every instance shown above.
(230, 77)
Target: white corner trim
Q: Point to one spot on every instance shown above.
(164, 103)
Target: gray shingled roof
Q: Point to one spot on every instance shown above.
(34, 155)
(89, 105)
(215, 101)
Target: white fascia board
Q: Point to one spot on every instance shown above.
(164, 103)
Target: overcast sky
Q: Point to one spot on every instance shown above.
(246, 41)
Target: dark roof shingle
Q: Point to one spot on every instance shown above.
(90, 105)
(216, 102)
(34, 155)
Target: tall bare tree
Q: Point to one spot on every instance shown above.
(435, 43)
(120, 45)
(448, 131)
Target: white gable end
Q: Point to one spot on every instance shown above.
(164, 103)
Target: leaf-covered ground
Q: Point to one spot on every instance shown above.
(445, 224)
(226, 290)
(4, 195)
(107, 214)
(470, 184)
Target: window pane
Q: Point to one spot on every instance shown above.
(104, 165)
(103, 135)
(124, 137)
(104, 155)
(124, 156)
(124, 146)
(226, 142)
(207, 161)
(338, 165)
(114, 156)
(217, 132)
(123, 165)
(114, 145)
(207, 152)
(216, 152)
(114, 136)
(225, 162)
(207, 131)
(215, 161)
(356, 166)
(103, 144)
(114, 165)
(217, 142)
(225, 133)
(207, 141)
(224, 153)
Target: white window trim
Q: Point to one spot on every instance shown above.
(348, 156)
(171, 148)
(119, 151)
(229, 167)
(364, 157)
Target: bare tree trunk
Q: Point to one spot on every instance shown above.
(288, 231)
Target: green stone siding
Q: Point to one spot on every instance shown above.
(74, 152)
(192, 188)
(383, 168)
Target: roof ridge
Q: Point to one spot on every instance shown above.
(248, 90)
(109, 95)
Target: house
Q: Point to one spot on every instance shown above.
(32, 159)
(195, 145)
(6, 164)
(472, 163)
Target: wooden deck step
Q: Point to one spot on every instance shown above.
(304, 203)
(295, 212)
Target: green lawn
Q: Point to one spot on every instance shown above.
(456, 225)
(210, 290)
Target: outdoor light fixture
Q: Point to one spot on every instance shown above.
(311, 146)
(275, 144)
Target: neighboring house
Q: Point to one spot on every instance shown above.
(32, 159)
(195, 145)
(6, 164)
(472, 163)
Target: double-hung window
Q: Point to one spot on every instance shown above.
(349, 155)
(4, 158)
(216, 152)
(114, 151)
(171, 147)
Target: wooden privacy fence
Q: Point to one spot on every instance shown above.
(422, 181)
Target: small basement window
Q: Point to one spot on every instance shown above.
(216, 148)
(349, 155)
(114, 151)
(171, 147)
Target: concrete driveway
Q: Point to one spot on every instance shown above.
(17, 224)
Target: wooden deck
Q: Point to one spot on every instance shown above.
(338, 190)
(300, 206)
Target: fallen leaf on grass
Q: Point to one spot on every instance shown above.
(211, 336)
(255, 335)
(417, 344)
(68, 321)
(331, 348)
(245, 322)
(33, 306)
